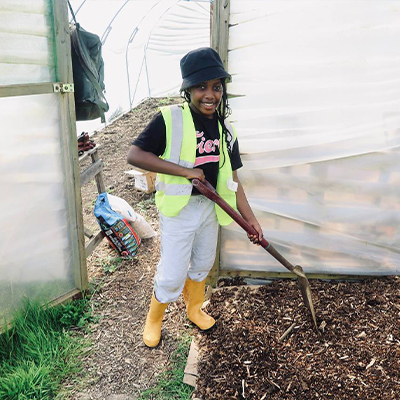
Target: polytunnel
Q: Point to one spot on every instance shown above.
(42, 253)
(42, 245)
(315, 100)
(316, 103)
(143, 42)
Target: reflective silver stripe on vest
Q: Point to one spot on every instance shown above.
(231, 140)
(174, 190)
(175, 153)
(177, 134)
(186, 164)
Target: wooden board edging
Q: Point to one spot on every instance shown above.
(226, 273)
(26, 89)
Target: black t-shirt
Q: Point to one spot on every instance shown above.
(153, 139)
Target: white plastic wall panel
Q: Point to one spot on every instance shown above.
(26, 44)
(38, 237)
(318, 121)
(143, 43)
(184, 28)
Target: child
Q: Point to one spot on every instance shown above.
(193, 140)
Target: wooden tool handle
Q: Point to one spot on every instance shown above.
(208, 190)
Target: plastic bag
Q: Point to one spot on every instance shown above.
(119, 205)
(117, 229)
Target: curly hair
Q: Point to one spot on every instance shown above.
(223, 111)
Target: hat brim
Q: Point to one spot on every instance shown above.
(204, 76)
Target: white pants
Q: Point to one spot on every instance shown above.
(188, 248)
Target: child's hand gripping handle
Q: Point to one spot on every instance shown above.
(207, 190)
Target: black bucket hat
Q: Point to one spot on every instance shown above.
(201, 65)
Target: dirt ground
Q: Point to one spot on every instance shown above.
(356, 355)
(118, 362)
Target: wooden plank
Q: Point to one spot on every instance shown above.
(26, 89)
(226, 273)
(88, 153)
(101, 188)
(88, 233)
(75, 293)
(220, 29)
(213, 275)
(90, 173)
(94, 243)
(69, 139)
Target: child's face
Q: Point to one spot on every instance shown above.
(205, 97)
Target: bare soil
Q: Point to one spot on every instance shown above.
(118, 362)
(356, 354)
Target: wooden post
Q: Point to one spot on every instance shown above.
(211, 21)
(101, 187)
(220, 29)
(69, 140)
(219, 11)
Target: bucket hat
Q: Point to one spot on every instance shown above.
(201, 65)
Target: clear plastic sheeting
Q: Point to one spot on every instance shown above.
(143, 42)
(38, 233)
(26, 44)
(182, 29)
(318, 122)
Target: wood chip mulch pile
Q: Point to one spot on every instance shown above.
(355, 355)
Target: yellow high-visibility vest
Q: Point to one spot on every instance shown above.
(173, 192)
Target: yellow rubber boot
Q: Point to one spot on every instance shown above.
(152, 329)
(193, 293)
